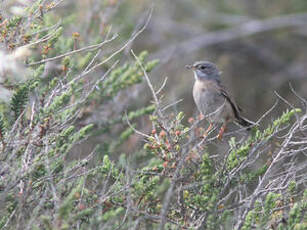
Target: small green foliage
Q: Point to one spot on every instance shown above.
(38, 71)
(56, 36)
(112, 214)
(83, 61)
(232, 142)
(47, 222)
(127, 75)
(83, 214)
(19, 100)
(67, 132)
(205, 197)
(254, 175)
(262, 216)
(240, 153)
(180, 116)
(68, 204)
(292, 187)
(140, 112)
(106, 164)
(59, 101)
(65, 135)
(295, 215)
(82, 133)
(14, 21)
(3, 220)
(11, 202)
(2, 128)
(66, 61)
(249, 220)
(206, 166)
(151, 64)
(53, 83)
(39, 171)
(35, 6)
(270, 202)
(126, 134)
(285, 117)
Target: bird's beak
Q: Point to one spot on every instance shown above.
(190, 67)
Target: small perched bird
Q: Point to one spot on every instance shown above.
(212, 99)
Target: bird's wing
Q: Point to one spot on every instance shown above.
(242, 121)
(236, 109)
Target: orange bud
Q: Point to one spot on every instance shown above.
(191, 120)
(162, 133)
(77, 195)
(75, 35)
(81, 206)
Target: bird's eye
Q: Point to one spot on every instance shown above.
(203, 67)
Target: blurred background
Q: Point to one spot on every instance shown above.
(260, 46)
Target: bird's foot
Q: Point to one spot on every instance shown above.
(221, 132)
(206, 133)
(201, 117)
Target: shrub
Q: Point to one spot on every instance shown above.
(175, 180)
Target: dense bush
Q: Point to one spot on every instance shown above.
(70, 93)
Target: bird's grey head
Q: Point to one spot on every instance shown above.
(205, 70)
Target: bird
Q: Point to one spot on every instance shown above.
(212, 98)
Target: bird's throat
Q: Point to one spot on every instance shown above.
(195, 76)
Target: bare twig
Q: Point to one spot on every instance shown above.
(87, 48)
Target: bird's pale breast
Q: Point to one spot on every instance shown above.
(210, 102)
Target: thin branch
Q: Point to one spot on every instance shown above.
(162, 86)
(135, 130)
(124, 46)
(87, 48)
(154, 95)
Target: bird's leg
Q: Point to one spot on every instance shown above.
(208, 130)
(201, 116)
(221, 132)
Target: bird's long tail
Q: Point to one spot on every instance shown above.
(245, 123)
